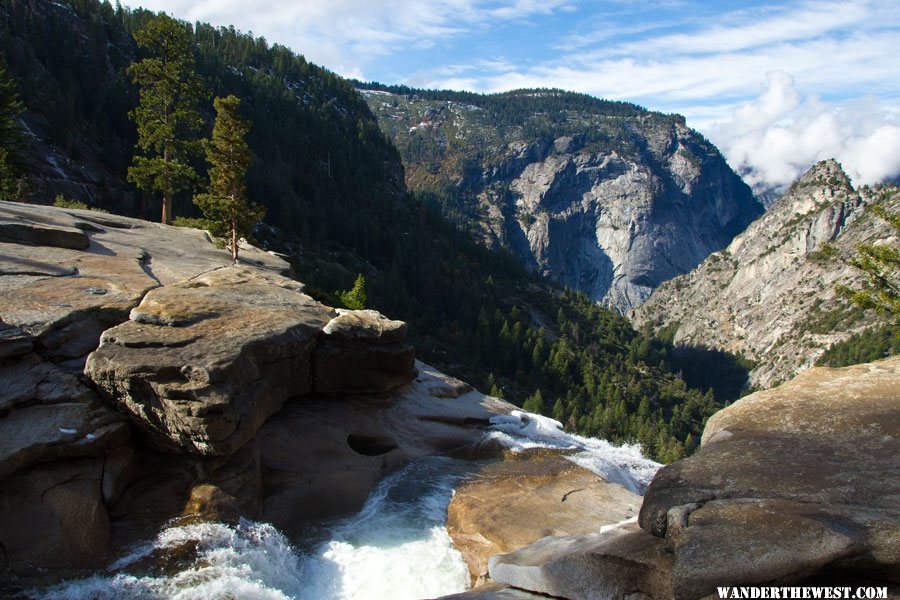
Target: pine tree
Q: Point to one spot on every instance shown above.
(225, 204)
(881, 264)
(534, 403)
(355, 297)
(166, 116)
(10, 136)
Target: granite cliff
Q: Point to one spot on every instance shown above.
(603, 197)
(769, 295)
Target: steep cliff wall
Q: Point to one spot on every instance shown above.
(770, 295)
(607, 198)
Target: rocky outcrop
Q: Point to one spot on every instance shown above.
(618, 201)
(620, 562)
(793, 485)
(770, 295)
(361, 351)
(485, 516)
(143, 378)
(202, 364)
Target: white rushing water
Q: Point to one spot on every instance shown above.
(624, 464)
(396, 547)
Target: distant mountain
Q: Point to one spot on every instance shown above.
(603, 197)
(770, 295)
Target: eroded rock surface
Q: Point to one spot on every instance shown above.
(622, 562)
(198, 353)
(512, 503)
(789, 481)
(202, 363)
(349, 443)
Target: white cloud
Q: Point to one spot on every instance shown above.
(776, 138)
(347, 35)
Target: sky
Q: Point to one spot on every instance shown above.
(776, 86)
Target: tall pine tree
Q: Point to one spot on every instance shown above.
(10, 136)
(225, 204)
(166, 116)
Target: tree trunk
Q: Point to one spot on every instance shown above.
(167, 198)
(167, 208)
(234, 246)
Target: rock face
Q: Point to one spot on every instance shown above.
(356, 440)
(485, 516)
(362, 351)
(791, 485)
(143, 379)
(622, 562)
(770, 295)
(617, 201)
(226, 349)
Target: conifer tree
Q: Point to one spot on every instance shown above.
(355, 297)
(166, 116)
(225, 204)
(881, 264)
(10, 135)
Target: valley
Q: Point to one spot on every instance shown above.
(391, 342)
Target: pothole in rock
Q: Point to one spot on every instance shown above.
(368, 445)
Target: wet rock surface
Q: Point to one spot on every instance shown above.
(350, 443)
(531, 495)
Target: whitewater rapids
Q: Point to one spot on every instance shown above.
(396, 547)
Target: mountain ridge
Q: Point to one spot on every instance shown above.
(603, 197)
(769, 296)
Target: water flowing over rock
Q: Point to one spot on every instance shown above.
(770, 295)
(793, 485)
(485, 516)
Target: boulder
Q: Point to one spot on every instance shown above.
(622, 562)
(203, 363)
(362, 351)
(350, 443)
(790, 482)
(42, 433)
(488, 512)
(208, 503)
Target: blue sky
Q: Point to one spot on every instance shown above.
(775, 85)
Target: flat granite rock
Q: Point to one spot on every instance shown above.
(203, 363)
(65, 294)
(621, 563)
(490, 512)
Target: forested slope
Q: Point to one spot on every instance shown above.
(337, 206)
